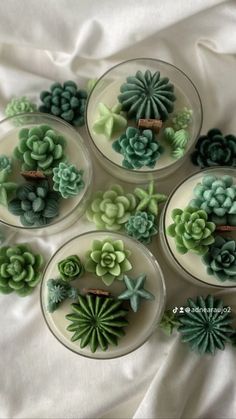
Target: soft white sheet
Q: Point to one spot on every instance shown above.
(67, 39)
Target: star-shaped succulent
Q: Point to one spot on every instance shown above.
(5, 187)
(135, 291)
(149, 199)
(110, 121)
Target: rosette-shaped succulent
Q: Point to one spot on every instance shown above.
(108, 259)
(191, 230)
(35, 203)
(111, 121)
(138, 148)
(149, 199)
(6, 187)
(147, 95)
(135, 291)
(65, 101)
(19, 270)
(221, 259)
(141, 226)
(206, 326)
(67, 180)
(216, 196)
(182, 119)
(70, 268)
(111, 209)
(215, 149)
(19, 105)
(97, 322)
(40, 148)
(5, 163)
(58, 291)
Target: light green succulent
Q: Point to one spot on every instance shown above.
(111, 121)
(149, 199)
(182, 119)
(6, 188)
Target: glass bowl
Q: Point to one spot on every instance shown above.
(190, 266)
(141, 324)
(70, 209)
(107, 89)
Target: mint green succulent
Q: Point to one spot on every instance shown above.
(217, 196)
(67, 180)
(6, 188)
(182, 119)
(135, 291)
(111, 121)
(5, 163)
(40, 148)
(191, 230)
(108, 259)
(19, 105)
(178, 141)
(178, 152)
(169, 322)
(142, 226)
(111, 209)
(19, 269)
(149, 199)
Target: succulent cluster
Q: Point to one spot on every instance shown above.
(135, 291)
(191, 230)
(220, 259)
(142, 226)
(40, 148)
(35, 203)
(182, 119)
(19, 270)
(178, 141)
(216, 196)
(67, 180)
(65, 101)
(111, 121)
(59, 291)
(139, 148)
(70, 268)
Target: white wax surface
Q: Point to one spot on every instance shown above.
(191, 262)
(141, 324)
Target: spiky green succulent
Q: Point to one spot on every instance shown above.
(135, 291)
(149, 199)
(59, 291)
(110, 122)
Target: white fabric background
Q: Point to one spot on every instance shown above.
(58, 40)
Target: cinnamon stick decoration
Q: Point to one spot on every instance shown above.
(99, 293)
(153, 124)
(225, 228)
(33, 175)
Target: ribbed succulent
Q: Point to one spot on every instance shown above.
(147, 95)
(138, 148)
(108, 259)
(67, 180)
(220, 259)
(191, 230)
(65, 101)
(40, 148)
(149, 199)
(215, 149)
(59, 291)
(206, 327)
(111, 121)
(70, 268)
(19, 105)
(142, 226)
(5, 163)
(19, 269)
(216, 196)
(111, 209)
(97, 321)
(182, 119)
(35, 203)
(135, 291)
(178, 141)
(6, 187)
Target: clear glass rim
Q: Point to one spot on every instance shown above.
(90, 135)
(149, 253)
(163, 222)
(88, 158)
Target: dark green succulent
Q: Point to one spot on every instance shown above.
(142, 226)
(220, 259)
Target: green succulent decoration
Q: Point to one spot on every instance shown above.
(35, 203)
(19, 269)
(178, 141)
(5, 163)
(216, 196)
(220, 259)
(40, 148)
(147, 95)
(141, 226)
(59, 291)
(108, 259)
(111, 209)
(191, 230)
(182, 119)
(149, 199)
(19, 105)
(70, 268)
(111, 121)
(205, 327)
(135, 291)
(139, 148)
(6, 187)
(97, 321)
(67, 180)
(65, 101)
(169, 322)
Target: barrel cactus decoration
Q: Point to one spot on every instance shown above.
(19, 269)
(35, 203)
(67, 180)
(65, 101)
(147, 95)
(40, 148)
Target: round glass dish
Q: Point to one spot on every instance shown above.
(76, 152)
(107, 89)
(190, 266)
(141, 324)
